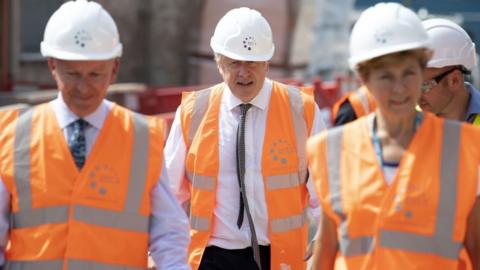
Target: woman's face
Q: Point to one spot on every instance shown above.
(395, 84)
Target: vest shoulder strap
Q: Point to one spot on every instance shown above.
(192, 111)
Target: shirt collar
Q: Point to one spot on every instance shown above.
(260, 101)
(65, 117)
(474, 104)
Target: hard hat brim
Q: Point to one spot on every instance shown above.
(354, 61)
(58, 53)
(243, 57)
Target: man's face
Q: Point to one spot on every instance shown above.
(83, 84)
(244, 78)
(437, 98)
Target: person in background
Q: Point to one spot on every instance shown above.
(399, 188)
(445, 91)
(236, 153)
(475, 72)
(82, 184)
(352, 106)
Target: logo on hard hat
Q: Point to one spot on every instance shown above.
(82, 37)
(382, 35)
(249, 42)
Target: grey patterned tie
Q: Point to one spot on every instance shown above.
(76, 141)
(241, 181)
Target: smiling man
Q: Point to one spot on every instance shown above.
(236, 153)
(81, 182)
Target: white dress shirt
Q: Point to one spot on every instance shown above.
(169, 228)
(225, 233)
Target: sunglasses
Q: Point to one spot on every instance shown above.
(428, 85)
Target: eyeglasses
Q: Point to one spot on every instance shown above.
(428, 85)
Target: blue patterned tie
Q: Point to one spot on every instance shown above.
(76, 141)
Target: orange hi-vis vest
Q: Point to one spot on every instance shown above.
(361, 100)
(417, 222)
(9, 113)
(96, 218)
(289, 122)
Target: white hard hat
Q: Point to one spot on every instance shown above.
(451, 44)
(81, 30)
(384, 29)
(243, 34)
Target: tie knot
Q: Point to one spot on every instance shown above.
(79, 124)
(244, 108)
(77, 142)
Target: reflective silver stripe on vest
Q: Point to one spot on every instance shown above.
(199, 223)
(139, 164)
(441, 242)
(289, 223)
(21, 160)
(290, 180)
(27, 216)
(348, 246)
(356, 246)
(89, 265)
(364, 101)
(39, 216)
(334, 147)
(422, 244)
(448, 179)
(201, 181)
(34, 265)
(199, 109)
(111, 219)
(299, 124)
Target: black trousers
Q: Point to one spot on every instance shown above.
(215, 258)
